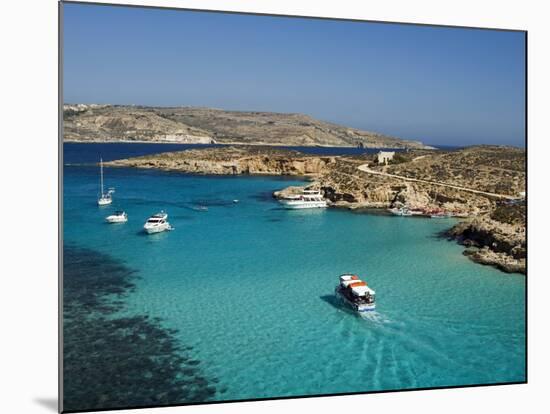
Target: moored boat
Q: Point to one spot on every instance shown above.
(117, 217)
(307, 199)
(200, 208)
(157, 223)
(105, 198)
(401, 211)
(355, 293)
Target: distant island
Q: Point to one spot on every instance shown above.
(483, 184)
(192, 125)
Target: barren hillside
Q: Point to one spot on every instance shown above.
(86, 123)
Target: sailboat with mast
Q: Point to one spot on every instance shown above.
(105, 198)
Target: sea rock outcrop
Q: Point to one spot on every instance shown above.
(492, 240)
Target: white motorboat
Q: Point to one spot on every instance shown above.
(402, 211)
(307, 199)
(117, 217)
(157, 223)
(105, 198)
(200, 208)
(355, 293)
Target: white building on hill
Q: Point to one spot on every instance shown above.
(385, 156)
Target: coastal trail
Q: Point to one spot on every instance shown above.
(365, 168)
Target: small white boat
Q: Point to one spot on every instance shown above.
(441, 215)
(402, 211)
(105, 198)
(308, 199)
(355, 293)
(117, 217)
(157, 223)
(235, 201)
(200, 208)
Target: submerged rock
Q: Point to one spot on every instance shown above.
(112, 361)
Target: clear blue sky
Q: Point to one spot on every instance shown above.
(440, 85)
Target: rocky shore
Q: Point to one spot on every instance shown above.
(494, 231)
(233, 160)
(497, 239)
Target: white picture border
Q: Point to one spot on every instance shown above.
(29, 187)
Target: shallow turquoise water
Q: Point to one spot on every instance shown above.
(250, 287)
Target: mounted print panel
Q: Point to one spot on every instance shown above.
(260, 207)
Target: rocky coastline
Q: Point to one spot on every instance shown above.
(233, 160)
(497, 239)
(493, 229)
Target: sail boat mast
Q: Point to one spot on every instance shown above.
(101, 168)
(105, 198)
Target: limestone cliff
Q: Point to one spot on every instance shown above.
(233, 160)
(497, 239)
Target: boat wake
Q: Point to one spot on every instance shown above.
(375, 317)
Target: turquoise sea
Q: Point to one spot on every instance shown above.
(247, 288)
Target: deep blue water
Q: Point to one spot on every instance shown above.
(87, 153)
(250, 286)
(75, 152)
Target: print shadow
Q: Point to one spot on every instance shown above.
(48, 403)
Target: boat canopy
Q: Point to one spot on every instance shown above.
(348, 277)
(161, 215)
(362, 290)
(351, 282)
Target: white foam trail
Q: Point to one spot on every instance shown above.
(375, 317)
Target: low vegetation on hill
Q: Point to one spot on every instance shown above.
(233, 160)
(492, 169)
(205, 125)
(514, 214)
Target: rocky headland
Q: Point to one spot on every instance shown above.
(233, 160)
(482, 184)
(129, 123)
(497, 238)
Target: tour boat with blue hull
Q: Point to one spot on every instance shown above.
(355, 293)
